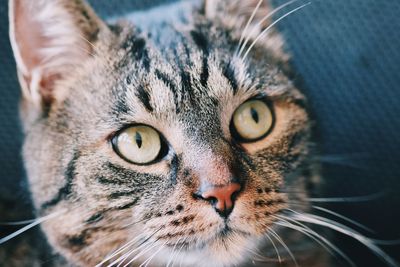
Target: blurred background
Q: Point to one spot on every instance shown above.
(346, 55)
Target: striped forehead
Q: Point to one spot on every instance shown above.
(190, 71)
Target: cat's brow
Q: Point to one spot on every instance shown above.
(229, 73)
(144, 97)
(170, 84)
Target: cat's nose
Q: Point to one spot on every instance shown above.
(222, 197)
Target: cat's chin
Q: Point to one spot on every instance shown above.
(227, 248)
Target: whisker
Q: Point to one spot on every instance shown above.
(126, 246)
(95, 48)
(140, 246)
(31, 225)
(349, 199)
(276, 249)
(344, 218)
(145, 250)
(120, 250)
(325, 243)
(147, 262)
(317, 220)
(279, 239)
(248, 23)
(270, 14)
(259, 258)
(18, 222)
(180, 249)
(181, 258)
(170, 260)
(269, 27)
(126, 255)
(135, 222)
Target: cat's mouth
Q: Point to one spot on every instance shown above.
(225, 235)
(228, 231)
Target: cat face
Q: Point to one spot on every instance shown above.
(163, 144)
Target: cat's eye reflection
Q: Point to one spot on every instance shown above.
(252, 121)
(139, 144)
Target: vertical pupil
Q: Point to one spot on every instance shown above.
(138, 139)
(254, 114)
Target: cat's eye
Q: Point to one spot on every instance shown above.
(252, 121)
(139, 144)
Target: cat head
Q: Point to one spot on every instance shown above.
(184, 138)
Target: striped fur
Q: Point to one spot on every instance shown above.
(185, 80)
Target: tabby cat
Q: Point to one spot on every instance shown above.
(179, 142)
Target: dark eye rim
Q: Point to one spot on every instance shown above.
(164, 150)
(238, 137)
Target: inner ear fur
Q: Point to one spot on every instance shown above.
(49, 38)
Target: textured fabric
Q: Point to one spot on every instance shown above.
(346, 53)
(346, 57)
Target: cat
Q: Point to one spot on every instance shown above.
(174, 143)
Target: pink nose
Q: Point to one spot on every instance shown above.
(222, 197)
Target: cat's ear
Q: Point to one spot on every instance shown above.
(49, 37)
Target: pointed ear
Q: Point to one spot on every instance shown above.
(49, 37)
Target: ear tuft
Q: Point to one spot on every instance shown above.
(48, 38)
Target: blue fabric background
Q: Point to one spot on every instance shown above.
(346, 53)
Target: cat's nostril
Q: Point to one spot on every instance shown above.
(222, 197)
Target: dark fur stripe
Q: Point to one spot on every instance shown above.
(175, 167)
(128, 205)
(66, 190)
(201, 41)
(136, 46)
(95, 218)
(116, 195)
(106, 181)
(121, 107)
(186, 84)
(205, 72)
(171, 85)
(144, 97)
(229, 73)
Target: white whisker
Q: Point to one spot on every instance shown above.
(171, 257)
(348, 199)
(344, 218)
(248, 23)
(120, 250)
(273, 12)
(18, 222)
(273, 244)
(325, 243)
(265, 31)
(181, 258)
(369, 243)
(279, 239)
(31, 225)
(147, 262)
(145, 250)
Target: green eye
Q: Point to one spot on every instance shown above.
(252, 121)
(139, 144)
